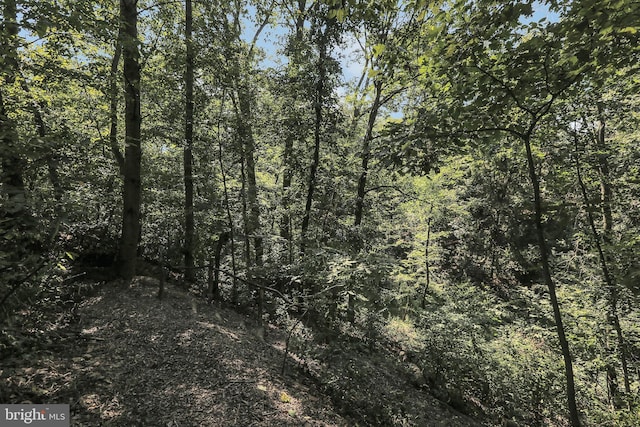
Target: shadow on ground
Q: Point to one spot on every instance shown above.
(129, 359)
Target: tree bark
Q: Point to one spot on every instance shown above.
(189, 222)
(113, 102)
(132, 187)
(427, 264)
(214, 269)
(551, 287)
(245, 213)
(285, 221)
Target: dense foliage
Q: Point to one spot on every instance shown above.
(470, 200)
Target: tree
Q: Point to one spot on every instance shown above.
(509, 83)
(293, 124)
(114, 90)
(132, 185)
(12, 164)
(383, 43)
(189, 224)
(471, 200)
(323, 28)
(595, 146)
(241, 58)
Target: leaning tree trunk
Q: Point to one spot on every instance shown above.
(366, 154)
(132, 186)
(601, 242)
(551, 287)
(362, 181)
(606, 202)
(189, 223)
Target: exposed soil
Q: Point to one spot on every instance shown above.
(121, 357)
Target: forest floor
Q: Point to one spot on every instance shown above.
(122, 357)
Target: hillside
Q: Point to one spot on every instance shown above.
(434, 208)
(121, 357)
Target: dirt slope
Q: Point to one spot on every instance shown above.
(124, 358)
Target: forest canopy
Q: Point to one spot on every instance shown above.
(458, 179)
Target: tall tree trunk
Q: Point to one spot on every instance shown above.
(244, 122)
(287, 175)
(12, 163)
(132, 188)
(11, 160)
(245, 130)
(245, 214)
(317, 137)
(214, 269)
(362, 181)
(612, 382)
(366, 154)
(189, 223)
(607, 219)
(234, 289)
(551, 287)
(602, 242)
(285, 221)
(427, 263)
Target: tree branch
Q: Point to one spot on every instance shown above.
(506, 87)
(259, 30)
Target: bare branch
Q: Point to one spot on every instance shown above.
(260, 28)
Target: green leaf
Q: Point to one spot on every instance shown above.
(606, 31)
(42, 26)
(378, 49)
(341, 14)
